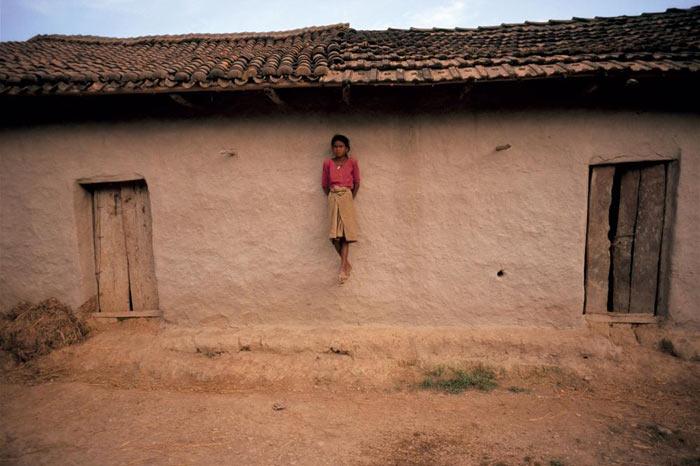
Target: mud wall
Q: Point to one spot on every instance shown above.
(239, 219)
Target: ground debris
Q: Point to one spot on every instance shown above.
(211, 353)
(339, 351)
(279, 406)
(28, 331)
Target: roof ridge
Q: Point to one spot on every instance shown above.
(175, 38)
(550, 22)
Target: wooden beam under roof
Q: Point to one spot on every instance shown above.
(346, 94)
(274, 96)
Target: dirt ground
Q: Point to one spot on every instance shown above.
(136, 394)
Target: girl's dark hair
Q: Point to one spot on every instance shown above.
(341, 138)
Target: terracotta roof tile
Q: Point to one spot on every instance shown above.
(649, 43)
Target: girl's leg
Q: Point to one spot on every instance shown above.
(338, 245)
(344, 263)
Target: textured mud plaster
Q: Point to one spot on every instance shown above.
(242, 239)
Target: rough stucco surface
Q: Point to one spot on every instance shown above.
(242, 239)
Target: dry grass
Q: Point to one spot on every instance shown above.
(28, 331)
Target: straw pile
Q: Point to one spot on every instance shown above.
(28, 331)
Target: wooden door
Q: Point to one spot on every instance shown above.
(625, 234)
(123, 248)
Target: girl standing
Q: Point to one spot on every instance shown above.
(340, 182)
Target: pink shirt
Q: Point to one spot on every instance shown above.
(344, 175)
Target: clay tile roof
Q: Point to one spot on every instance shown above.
(650, 44)
(51, 64)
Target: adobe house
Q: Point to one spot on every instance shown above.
(521, 174)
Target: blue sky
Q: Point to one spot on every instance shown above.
(22, 19)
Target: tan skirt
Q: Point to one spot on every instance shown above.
(341, 212)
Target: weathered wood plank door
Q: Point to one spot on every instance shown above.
(627, 204)
(124, 262)
(647, 239)
(624, 239)
(597, 239)
(110, 251)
